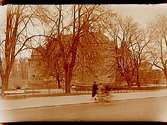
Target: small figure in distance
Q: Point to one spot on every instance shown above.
(94, 90)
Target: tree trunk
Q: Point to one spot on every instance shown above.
(68, 77)
(58, 80)
(137, 78)
(128, 82)
(5, 76)
(5, 82)
(138, 83)
(165, 73)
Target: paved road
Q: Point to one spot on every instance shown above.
(150, 109)
(32, 102)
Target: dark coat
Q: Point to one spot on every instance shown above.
(94, 89)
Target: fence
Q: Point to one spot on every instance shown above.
(46, 92)
(78, 89)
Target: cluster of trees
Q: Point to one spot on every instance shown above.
(131, 43)
(72, 42)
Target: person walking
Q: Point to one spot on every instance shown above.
(94, 90)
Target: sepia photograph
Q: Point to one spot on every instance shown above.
(83, 62)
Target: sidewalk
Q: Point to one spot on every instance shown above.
(66, 100)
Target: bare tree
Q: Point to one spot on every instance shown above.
(158, 49)
(130, 43)
(17, 23)
(70, 50)
(82, 39)
(118, 29)
(138, 46)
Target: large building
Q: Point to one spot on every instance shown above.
(87, 68)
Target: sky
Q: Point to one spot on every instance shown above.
(2, 19)
(143, 14)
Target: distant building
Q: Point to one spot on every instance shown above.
(19, 74)
(37, 70)
(148, 75)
